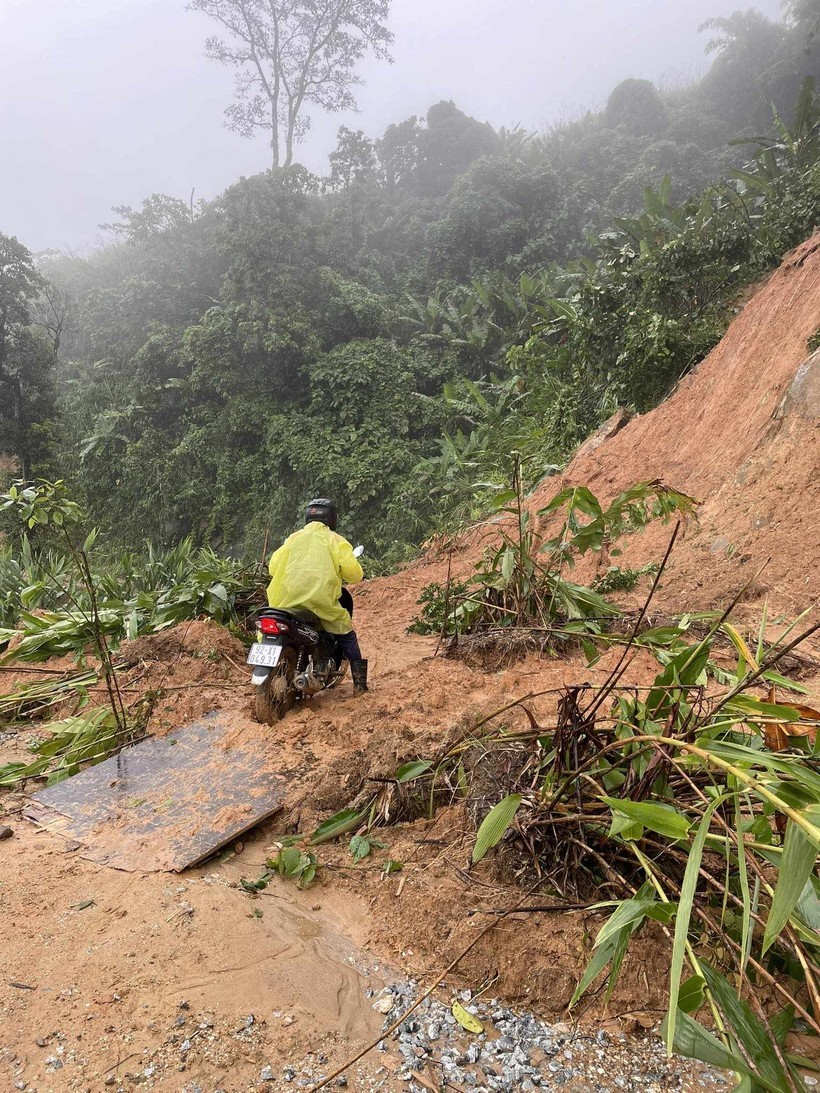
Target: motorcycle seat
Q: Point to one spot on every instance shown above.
(299, 613)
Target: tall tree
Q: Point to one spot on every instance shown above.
(290, 54)
(26, 393)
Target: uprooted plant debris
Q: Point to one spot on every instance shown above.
(692, 803)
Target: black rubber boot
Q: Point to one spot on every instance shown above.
(358, 669)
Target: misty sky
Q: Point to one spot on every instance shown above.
(103, 102)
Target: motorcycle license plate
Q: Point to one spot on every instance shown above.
(265, 656)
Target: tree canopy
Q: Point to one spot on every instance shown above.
(390, 333)
(290, 55)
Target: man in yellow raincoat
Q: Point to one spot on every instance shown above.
(307, 573)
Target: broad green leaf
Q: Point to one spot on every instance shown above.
(337, 825)
(657, 817)
(626, 828)
(781, 1024)
(695, 1042)
(495, 825)
(360, 847)
(796, 865)
(691, 995)
(752, 707)
(748, 1030)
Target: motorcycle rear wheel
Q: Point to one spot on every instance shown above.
(277, 695)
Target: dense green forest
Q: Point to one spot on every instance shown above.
(389, 334)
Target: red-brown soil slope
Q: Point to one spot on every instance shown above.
(740, 434)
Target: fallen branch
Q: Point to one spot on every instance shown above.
(536, 910)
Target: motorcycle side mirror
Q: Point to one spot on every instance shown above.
(358, 552)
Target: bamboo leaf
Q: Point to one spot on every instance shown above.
(748, 1030)
(410, 771)
(631, 912)
(466, 1019)
(743, 876)
(337, 825)
(796, 865)
(600, 958)
(495, 825)
(687, 899)
(695, 1042)
(661, 818)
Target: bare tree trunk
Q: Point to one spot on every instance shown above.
(274, 140)
(22, 453)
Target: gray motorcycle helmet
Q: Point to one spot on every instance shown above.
(324, 511)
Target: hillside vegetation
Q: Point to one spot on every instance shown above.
(390, 333)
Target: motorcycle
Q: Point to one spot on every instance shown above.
(293, 659)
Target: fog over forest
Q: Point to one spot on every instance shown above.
(382, 306)
(103, 102)
(535, 335)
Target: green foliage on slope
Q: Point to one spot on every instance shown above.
(448, 295)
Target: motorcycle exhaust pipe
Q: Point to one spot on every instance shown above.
(308, 684)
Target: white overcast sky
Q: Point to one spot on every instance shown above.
(103, 102)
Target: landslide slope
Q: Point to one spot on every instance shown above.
(118, 952)
(739, 434)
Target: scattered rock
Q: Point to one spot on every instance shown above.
(5, 833)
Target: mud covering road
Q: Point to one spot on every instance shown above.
(131, 981)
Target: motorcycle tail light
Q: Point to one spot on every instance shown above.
(273, 626)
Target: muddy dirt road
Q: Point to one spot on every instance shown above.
(184, 983)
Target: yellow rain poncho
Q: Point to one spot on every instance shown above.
(307, 572)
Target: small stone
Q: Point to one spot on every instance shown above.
(110, 1080)
(40, 1042)
(808, 1080)
(184, 1005)
(267, 1074)
(384, 1005)
(465, 996)
(185, 1046)
(288, 1020)
(341, 1081)
(5, 833)
(20, 1085)
(288, 1074)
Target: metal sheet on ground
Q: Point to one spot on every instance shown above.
(166, 803)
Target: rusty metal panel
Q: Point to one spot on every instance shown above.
(166, 803)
